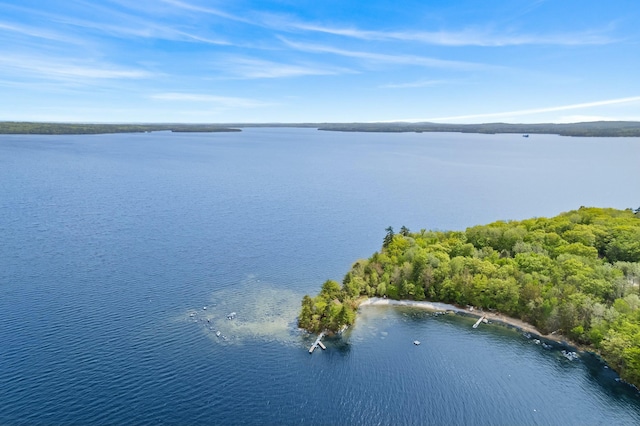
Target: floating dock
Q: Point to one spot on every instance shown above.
(478, 322)
(317, 343)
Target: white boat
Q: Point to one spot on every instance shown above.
(218, 333)
(416, 342)
(231, 316)
(478, 322)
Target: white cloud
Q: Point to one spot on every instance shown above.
(101, 20)
(245, 68)
(533, 111)
(65, 68)
(415, 84)
(127, 27)
(387, 58)
(232, 102)
(38, 33)
(467, 37)
(207, 10)
(583, 118)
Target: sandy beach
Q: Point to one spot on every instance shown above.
(491, 316)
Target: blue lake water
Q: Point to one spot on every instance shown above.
(112, 245)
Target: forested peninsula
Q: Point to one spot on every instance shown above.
(576, 274)
(34, 128)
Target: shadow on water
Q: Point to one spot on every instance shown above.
(341, 344)
(598, 372)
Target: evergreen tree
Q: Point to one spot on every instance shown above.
(388, 238)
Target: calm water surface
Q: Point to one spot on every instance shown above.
(112, 245)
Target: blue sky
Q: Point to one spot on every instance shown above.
(518, 61)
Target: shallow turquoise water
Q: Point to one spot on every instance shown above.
(111, 242)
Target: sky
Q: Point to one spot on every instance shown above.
(295, 61)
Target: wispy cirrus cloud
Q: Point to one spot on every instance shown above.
(134, 27)
(532, 111)
(246, 68)
(415, 84)
(39, 33)
(54, 68)
(208, 10)
(415, 60)
(105, 22)
(225, 101)
(99, 21)
(467, 37)
(578, 118)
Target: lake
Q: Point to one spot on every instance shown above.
(113, 246)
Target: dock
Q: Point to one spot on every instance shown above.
(317, 343)
(478, 322)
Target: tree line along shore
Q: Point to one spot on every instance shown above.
(586, 129)
(576, 274)
(32, 128)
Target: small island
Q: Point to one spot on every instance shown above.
(575, 275)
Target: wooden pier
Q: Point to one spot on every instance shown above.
(478, 322)
(317, 343)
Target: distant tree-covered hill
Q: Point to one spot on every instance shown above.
(595, 129)
(20, 128)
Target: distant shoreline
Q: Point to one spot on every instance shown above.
(33, 128)
(585, 129)
(494, 317)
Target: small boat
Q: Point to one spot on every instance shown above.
(525, 136)
(478, 322)
(231, 316)
(218, 333)
(416, 342)
(204, 308)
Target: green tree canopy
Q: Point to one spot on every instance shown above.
(577, 274)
